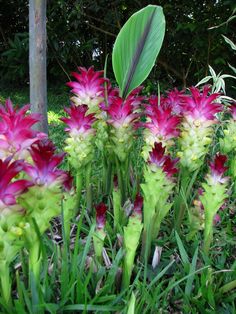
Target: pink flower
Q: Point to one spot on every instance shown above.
(44, 169)
(174, 101)
(200, 105)
(88, 87)
(161, 122)
(233, 110)
(79, 122)
(121, 112)
(165, 162)
(16, 134)
(218, 169)
(9, 191)
(101, 209)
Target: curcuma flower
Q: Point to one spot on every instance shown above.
(122, 117)
(213, 196)
(199, 111)
(88, 89)
(161, 126)
(157, 189)
(80, 143)
(16, 133)
(12, 226)
(49, 182)
(99, 233)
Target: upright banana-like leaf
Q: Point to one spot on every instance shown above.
(137, 46)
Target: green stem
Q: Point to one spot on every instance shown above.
(88, 184)
(79, 184)
(146, 244)
(180, 203)
(118, 217)
(208, 236)
(108, 178)
(120, 181)
(35, 257)
(5, 283)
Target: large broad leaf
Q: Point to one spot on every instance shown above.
(137, 46)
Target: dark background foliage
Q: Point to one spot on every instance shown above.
(83, 33)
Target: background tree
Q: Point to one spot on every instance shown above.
(37, 61)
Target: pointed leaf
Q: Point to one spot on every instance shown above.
(228, 41)
(204, 80)
(131, 309)
(137, 46)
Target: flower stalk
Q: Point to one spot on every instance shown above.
(213, 197)
(99, 233)
(157, 188)
(132, 234)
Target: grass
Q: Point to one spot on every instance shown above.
(184, 281)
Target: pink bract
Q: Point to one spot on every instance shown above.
(200, 105)
(44, 170)
(79, 121)
(174, 101)
(165, 162)
(218, 168)
(138, 204)
(162, 123)
(16, 133)
(89, 85)
(122, 112)
(101, 209)
(233, 110)
(9, 190)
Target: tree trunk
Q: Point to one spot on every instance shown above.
(37, 61)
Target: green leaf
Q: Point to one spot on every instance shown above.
(182, 251)
(131, 309)
(228, 41)
(189, 283)
(137, 46)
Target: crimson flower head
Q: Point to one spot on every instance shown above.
(121, 112)
(174, 101)
(233, 110)
(161, 122)
(88, 87)
(101, 209)
(79, 122)
(218, 168)
(44, 171)
(16, 133)
(138, 204)
(157, 158)
(9, 191)
(200, 105)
